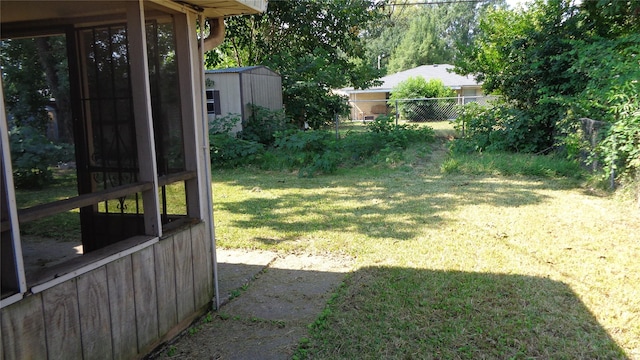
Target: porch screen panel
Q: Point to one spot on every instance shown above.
(165, 97)
(109, 126)
(111, 138)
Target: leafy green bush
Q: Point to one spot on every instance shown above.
(227, 151)
(310, 151)
(32, 155)
(399, 136)
(499, 128)
(612, 95)
(418, 88)
(224, 124)
(263, 123)
(318, 151)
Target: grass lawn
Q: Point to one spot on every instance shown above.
(471, 264)
(481, 256)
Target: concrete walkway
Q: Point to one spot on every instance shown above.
(268, 300)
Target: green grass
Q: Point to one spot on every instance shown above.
(506, 258)
(466, 257)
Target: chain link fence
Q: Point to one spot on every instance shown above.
(413, 110)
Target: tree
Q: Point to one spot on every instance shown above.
(422, 44)
(556, 62)
(419, 88)
(26, 91)
(314, 44)
(34, 71)
(428, 34)
(523, 56)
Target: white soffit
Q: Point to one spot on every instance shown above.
(222, 8)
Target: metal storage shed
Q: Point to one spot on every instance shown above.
(232, 90)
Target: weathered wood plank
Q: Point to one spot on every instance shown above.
(22, 328)
(181, 176)
(44, 210)
(95, 320)
(141, 96)
(184, 274)
(166, 285)
(144, 281)
(202, 265)
(62, 321)
(122, 308)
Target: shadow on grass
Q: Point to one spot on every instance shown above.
(412, 313)
(392, 313)
(391, 204)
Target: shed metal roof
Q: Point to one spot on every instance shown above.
(241, 69)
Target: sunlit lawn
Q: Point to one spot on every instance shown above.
(451, 266)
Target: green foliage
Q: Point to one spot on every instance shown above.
(25, 91)
(318, 151)
(228, 152)
(419, 35)
(612, 94)
(388, 134)
(224, 124)
(314, 44)
(554, 63)
(419, 88)
(262, 124)
(309, 151)
(499, 128)
(308, 101)
(32, 155)
(621, 148)
(509, 164)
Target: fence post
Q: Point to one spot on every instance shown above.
(397, 113)
(613, 164)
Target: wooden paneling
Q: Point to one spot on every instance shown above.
(62, 321)
(22, 328)
(122, 307)
(95, 321)
(145, 297)
(166, 285)
(118, 310)
(202, 265)
(184, 274)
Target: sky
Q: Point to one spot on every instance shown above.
(514, 3)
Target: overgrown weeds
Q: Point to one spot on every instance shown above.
(318, 151)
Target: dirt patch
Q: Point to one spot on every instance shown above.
(267, 315)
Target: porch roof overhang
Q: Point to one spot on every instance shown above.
(223, 8)
(17, 17)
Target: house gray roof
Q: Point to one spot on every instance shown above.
(439, 71)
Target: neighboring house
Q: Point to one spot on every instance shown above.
(232, 90)
(140, 125)
(367, 104)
